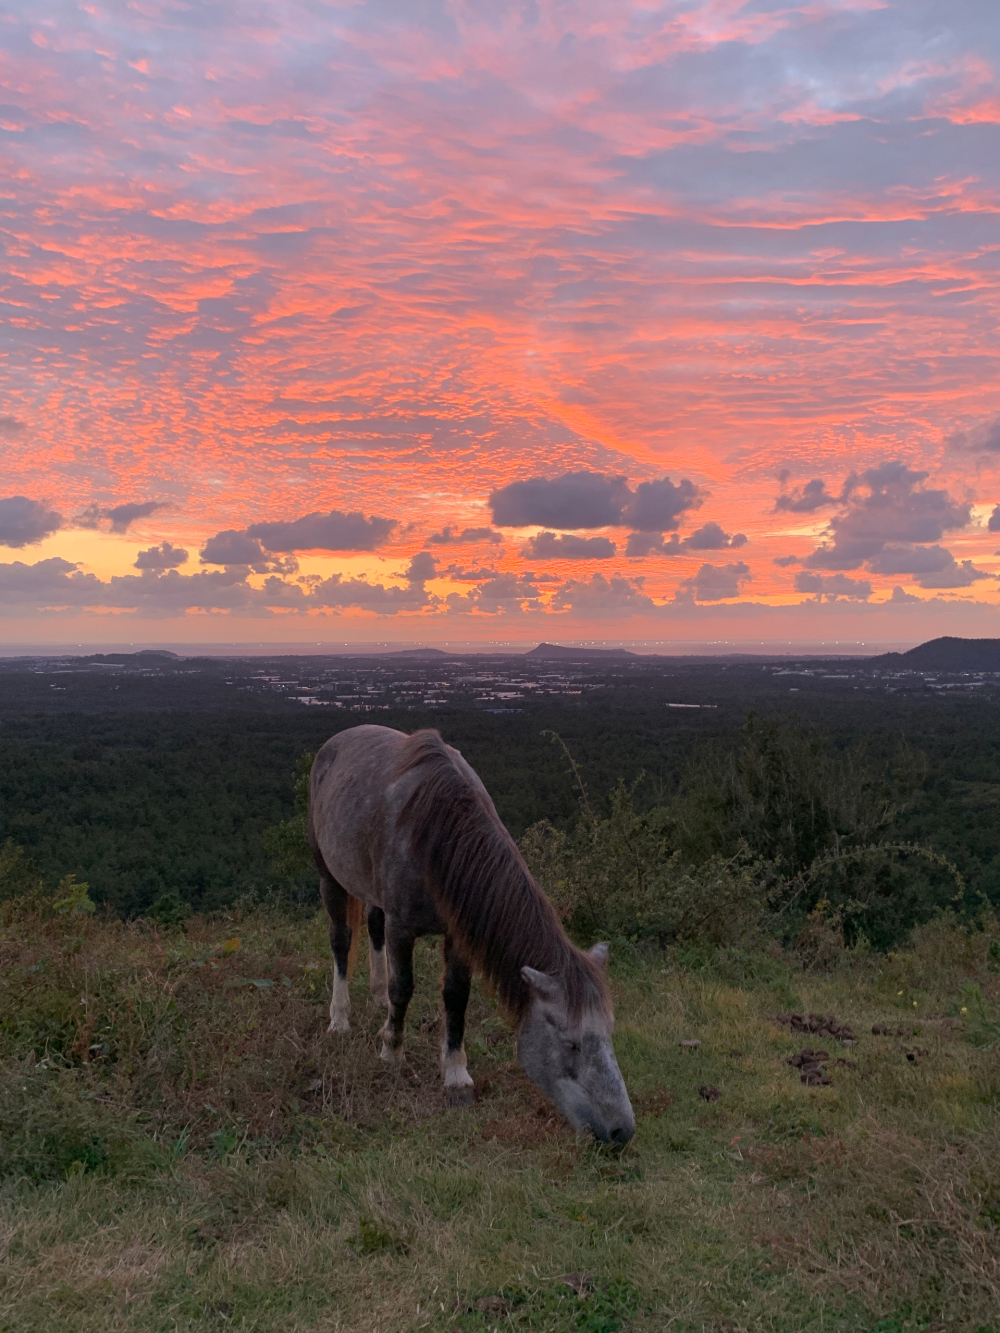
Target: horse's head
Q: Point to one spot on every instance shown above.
(572, 1060)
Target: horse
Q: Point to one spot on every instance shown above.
(401, 826)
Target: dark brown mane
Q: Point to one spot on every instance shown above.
(482, 888)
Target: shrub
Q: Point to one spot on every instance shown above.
(623, 877)
(20, 878)
(286, 843)
(789, 796)
(170, 911)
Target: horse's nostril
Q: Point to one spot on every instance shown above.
(622, 1134)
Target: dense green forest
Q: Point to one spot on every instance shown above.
(141, 803)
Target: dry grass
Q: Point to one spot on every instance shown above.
(187, 1149)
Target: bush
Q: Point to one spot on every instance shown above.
(286, 843)
(19, 877)
(623, 877)
(170, 911)
(789, 796)
(783, 835)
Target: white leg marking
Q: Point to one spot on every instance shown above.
(453, 1068)
(340, 1005)
(378, 976)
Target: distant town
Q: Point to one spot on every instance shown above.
(422, 679)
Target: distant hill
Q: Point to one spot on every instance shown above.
(554, 652)
(420, 653)
(947, 654)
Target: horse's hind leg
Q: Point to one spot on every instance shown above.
(458, 1086)
(335, 902)
(378, 976)
(399, 955)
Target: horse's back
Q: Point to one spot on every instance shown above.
(348, 807)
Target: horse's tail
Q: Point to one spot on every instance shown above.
(356, 918)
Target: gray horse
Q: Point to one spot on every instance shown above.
(403, 825)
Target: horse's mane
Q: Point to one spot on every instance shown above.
(482, 888)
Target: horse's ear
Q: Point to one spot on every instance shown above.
(599, 953)
(544, 986)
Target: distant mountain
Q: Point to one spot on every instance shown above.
(947, 654)
(143, 656)
(419, 653)
(554, 652)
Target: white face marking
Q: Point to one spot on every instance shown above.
(340, 1005)
(378, 976)
(453, 1068)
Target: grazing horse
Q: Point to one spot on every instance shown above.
(403, 825)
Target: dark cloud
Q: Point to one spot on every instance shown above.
(57, 587)
(237, 549)
(122, 516)
(479, 575)
(468, 536)
(906, 559)
(422, 567)
(714, 583)
(954, 575)
(657, 506)
(710, 537)
(783, 561)
(549, 545)
(807, 499)
(161, 557)
(994, 524)
(334, 531)
(502, 594)
(833, 586)
(574, 500)
(886, 504)
(605, 596)
(24, 521)
(651, 543)
(10, 427)
(984, 438)
(47, 585)
(578, 500)
(89, 517)
(232, 548)
(898, 595)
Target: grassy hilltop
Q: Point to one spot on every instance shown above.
(184, 1147)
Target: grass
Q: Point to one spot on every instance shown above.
(184, 1147)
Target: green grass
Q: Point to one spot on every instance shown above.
(184, 1147)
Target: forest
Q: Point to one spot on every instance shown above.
(176, 797)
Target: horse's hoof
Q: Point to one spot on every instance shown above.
(381, 999)
(340, 1024)
(392, 1055)
(460, 1096)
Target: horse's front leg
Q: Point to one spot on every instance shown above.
(399, 956)
(459, 1089)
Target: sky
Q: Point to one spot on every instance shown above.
(576, 320)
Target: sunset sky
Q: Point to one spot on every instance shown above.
(499, 320)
